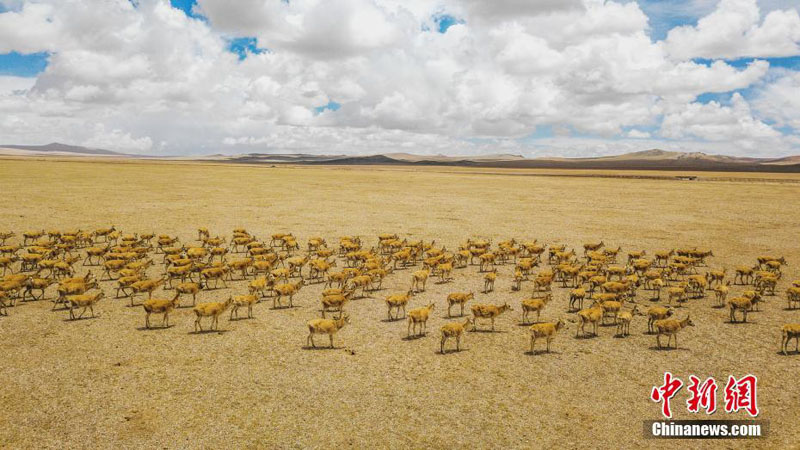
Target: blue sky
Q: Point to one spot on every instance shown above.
(23, 65)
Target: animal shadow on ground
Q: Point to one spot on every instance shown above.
(156, 328)
(281, 308)
(236, 319)
(325, 347)
(80, 319)
(397, 319)
(542, 352)
(209, 331)
(587, 336)
(414, 337)
(667, 349)
(447, 352)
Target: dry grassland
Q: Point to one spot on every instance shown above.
(107, 382)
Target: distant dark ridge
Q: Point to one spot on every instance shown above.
(683, 164)
(58, 147)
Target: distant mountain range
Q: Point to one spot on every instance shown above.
(57, 148)
(654, 159)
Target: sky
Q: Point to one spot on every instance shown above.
(457, 77)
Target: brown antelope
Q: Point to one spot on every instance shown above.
(419, 317)
(419, 279)
(286, 290)
(592, 315)
(458, 298)
(485, 311)
(210, 309)
(488, 281)
(454, 330)
(325, 326)
(671, 327)
(83, 301)
(534, 305)
(334, 302)
(790, 331)
(243, 301)
(159, 306)
(547, 331)
(396, 302)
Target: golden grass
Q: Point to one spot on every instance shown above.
(105, 380)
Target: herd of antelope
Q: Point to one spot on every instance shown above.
(605, 286)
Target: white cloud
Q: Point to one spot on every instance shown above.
(734, 30)
(718, 123)
(117, 139)
(779, 101)
(638, 134)
(150, 74)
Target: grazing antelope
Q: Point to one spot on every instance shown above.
(74, 287)
(744, 275)
(148, 286)
(36, 284)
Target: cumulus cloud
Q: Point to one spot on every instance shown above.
(779, 101)
(735, 29)
(719, 123)
(117, 139)
(149, 78)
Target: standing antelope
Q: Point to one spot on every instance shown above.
(546, 330)
(325, 326)
(419, 316)
(83, 301)
(484, 311)
(458, 298)
(671, 327)
(158, 306)
(397, 301)
(454, 330)
(210, 309)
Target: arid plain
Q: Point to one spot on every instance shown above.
(76, 383)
